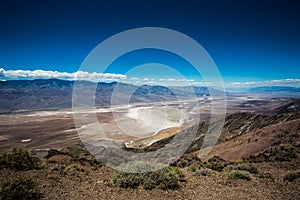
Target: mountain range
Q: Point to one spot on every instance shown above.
(43, 94)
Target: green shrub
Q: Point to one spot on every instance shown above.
(292, 176)
(53, 152)
(266, 175)
(182, 163)
(187, 160)
(239, 174)
(78, 152)
(216, 159)
(284, 153)
(239, 161)
(279, 153)
(216, 163)
(246, 167)
(216, 166)
(193, 168)
(20, 189)
(148, 175)
(19, 159)
(178, 173)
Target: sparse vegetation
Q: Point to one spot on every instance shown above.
(216, 163)
(246, 167)
(148, 175)
(216, 166)
(188, 161)
(59, 167)
(266, 175)
(77, 153)
(239, 161)
(284, 153)
(202, 172)
(52, 152)
(20, 189)
(239, 174)
(19, 159)
(279, 153)
(73, 173)
(193, 168)
(291, 176)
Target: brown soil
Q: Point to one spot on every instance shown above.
(65, 178)
(258, 140)
(92, 183)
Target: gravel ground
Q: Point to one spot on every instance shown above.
(92, 183)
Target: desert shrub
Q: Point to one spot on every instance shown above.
(137, 174)
(216, 163)
(94, 162)
(53, 161)
(239, 174)
(78, 168)
(216, 159)
(201, 172)
(20, 189)
(291, 176)
(187, 160)
(193, 168)
(178, 173)
(239, 161)
(53, 152)
(246, 167)
(284, 153)
(216, 166)
(266, 175)
(59, 167)
(78, 152)
(19, 159)
(279, 153)
(182, 163)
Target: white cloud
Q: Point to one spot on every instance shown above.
(177, 82)
(134, 79)
(150, 83)
(203, 83)
(278, 82)
(171, 79)
(47, 74)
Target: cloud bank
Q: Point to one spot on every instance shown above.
(46, 74)
(106, 77)
(280, 82)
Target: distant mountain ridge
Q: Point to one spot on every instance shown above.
(274, 89)
(42, 94)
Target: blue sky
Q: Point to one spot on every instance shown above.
(250, 40)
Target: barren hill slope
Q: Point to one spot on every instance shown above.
(259, 140)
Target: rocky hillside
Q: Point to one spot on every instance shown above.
(72, 173)
(243, 135)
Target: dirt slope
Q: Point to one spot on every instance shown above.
(258, 140)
